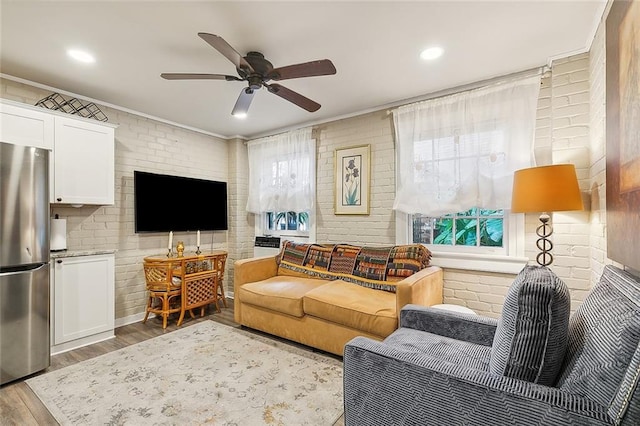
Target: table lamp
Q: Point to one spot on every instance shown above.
(545, 189)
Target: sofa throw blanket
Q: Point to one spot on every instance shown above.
(377, 267)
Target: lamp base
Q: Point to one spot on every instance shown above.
(544, 231)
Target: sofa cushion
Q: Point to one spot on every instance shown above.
(444, 348)
(406, 260)
(343, 258)
(365, 309)
(603, 353)
(531, 337)
(294, 253)
(375, 267)
(319, 256)
(371, 263)
(280, 293)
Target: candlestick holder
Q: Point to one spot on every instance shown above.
(169, 253)
(198, 250)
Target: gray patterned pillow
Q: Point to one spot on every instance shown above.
(531, 337)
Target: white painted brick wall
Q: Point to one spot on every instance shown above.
(378, 227)
(570, 126)
(562, 127)
(542, 144)
(241, 223)
(140, 144)
(597, 181)
(570, 144)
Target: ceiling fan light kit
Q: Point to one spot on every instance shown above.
(257, 72)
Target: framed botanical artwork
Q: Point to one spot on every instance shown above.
(352, 180)
(623, 132)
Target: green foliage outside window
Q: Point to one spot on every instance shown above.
(288, 221)
(475, 227)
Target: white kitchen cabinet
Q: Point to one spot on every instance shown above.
(25, 126)
(83, 301)
(83, 162)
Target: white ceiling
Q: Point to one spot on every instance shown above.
(374, 45)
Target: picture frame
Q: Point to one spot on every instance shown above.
(352, 180)
(623, 133)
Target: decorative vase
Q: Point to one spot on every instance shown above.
(180, 248)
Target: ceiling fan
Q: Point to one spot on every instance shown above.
(257, 72)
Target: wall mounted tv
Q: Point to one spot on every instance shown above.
(166, 203)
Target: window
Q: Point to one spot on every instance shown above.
(457, 242)
(282, 173)
(282, 182)
(287, 223)
(459, 151)
(455, 159)
(473, 228)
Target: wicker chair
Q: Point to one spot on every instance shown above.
(163, 288)
(219, 266)
(200, 284)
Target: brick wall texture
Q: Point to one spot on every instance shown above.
(570, 128)
(140, 144)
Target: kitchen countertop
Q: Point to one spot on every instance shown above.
(76, 253)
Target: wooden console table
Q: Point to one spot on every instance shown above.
(201, 276)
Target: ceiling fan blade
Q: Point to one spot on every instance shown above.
(225, 48)
(307, 69)
(244, 101)
(294, 97)
(195, 76)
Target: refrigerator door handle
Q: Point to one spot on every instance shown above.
(16, 270)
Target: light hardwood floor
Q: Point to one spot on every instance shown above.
(20, 406)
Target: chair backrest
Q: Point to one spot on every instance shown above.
(603, 354)
(158, 275)
(219, 266)
(531, 337)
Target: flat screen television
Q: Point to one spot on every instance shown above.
(166, 203)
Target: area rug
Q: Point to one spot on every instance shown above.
(206, 373)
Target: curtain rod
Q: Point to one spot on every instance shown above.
(445, 92)
(313, 131)
(543, 70)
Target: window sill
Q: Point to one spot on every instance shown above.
(290, 237)
(475, 262)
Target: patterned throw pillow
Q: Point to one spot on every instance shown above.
(294, 253)
(371, 263)
(531, 337)
(343, 259)
(406, 260)
(319, 256)
(365, 266)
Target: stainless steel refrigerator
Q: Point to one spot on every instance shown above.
(24, 261)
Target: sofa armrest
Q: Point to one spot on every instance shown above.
(387, 386)
(455, 325)
(249, 271)
(422, 288)
(254, 269)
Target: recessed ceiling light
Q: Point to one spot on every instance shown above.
(431, 53)
(81, 56)
(240, 115)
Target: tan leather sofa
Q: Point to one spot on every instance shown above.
(325, 295)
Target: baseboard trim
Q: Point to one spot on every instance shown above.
(129, 319)
(140, 316)
(83, 341)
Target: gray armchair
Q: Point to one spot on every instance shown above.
(531, 367)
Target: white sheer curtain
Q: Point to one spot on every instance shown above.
(460, 151)
(282, 172)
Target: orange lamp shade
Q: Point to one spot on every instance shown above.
(546, 189)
